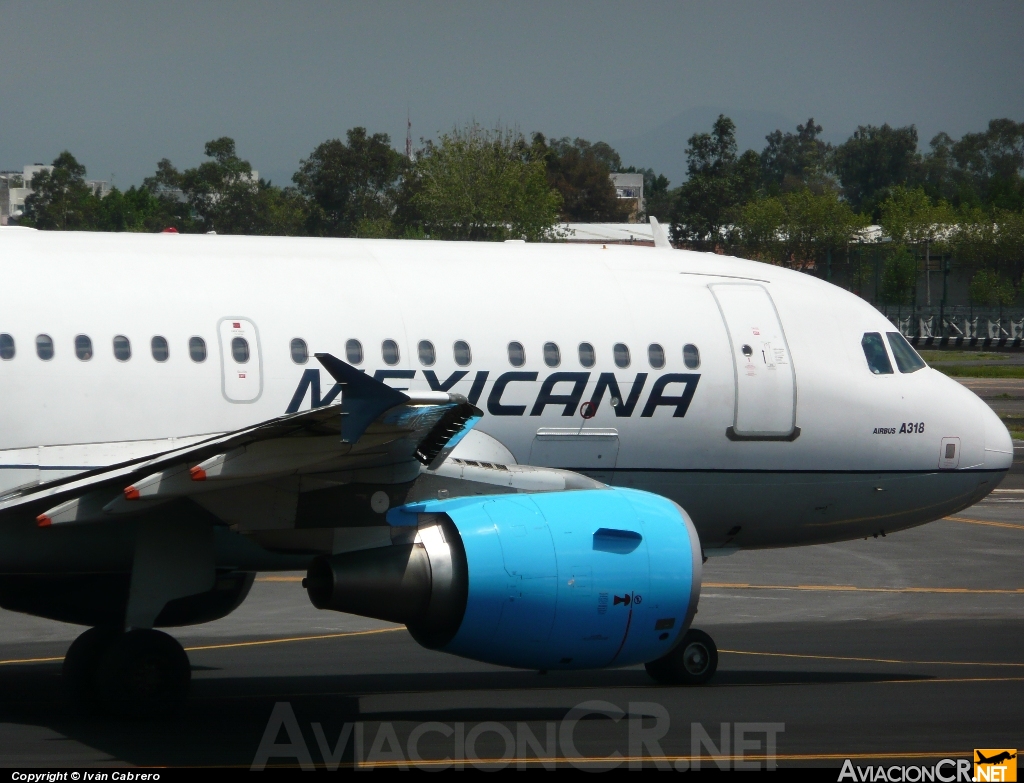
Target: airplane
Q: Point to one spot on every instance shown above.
(996, 759)
(523, 452)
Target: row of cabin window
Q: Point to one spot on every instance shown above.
(353, 351)
(516, 354)
(123, 348)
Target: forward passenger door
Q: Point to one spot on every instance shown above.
(765, 407)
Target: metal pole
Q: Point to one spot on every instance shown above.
(928, 272)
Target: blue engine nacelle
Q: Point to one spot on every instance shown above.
(559, 580)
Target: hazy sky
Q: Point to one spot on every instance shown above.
(123, 84)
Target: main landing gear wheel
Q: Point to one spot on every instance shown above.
(139, 673)
(80, 661)
(691, 662)
(143, 673)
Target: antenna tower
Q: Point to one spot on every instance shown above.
(408, 135)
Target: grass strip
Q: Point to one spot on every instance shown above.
(982, 371)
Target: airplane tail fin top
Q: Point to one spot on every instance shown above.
(660, 234)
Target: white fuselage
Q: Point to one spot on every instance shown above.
(839, 473)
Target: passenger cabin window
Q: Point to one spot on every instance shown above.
(463, 356)
(83, 347)
(516, 354)
(426, 351)
(354, 352)
(621, 354)
(874, 352)
(907, 359)
(6, 347)
(587, 355)
(240, 350)
(122, 348)
(197, 349)
(44, 347)
(389, 352)
(691, 356)
(552, 356)
(656, 356)
(161, 351)
(300, 353)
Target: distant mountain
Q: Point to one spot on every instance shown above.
(663, 148)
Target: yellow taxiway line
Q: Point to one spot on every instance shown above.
(262, 642)
(255, 643)
(866, 660)
(855, 589)
(987, 522)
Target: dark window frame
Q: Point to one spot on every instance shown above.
(420, 351)
(548, 346)
(907, 359)
(455, 353)
(127, 344)
(593, 354)
(305, 350)
(616, 352)
(650, 358)
(153, 348)
(873, 341)
(194, 342)
(83, 345)
(522, 352)
(240, 343)
(691, 363)
(40, 338)
(384, 349)
(352, 345)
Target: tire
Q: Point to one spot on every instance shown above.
(81, 662)
(691, 662)
(143, 673)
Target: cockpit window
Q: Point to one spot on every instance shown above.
(874, 352)
(907, 359)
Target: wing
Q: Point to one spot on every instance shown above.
(374, 426)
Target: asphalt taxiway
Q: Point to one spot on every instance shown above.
(904, 647)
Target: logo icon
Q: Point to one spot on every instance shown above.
(999, 764)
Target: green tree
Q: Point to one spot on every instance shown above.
(992, 163)
(60, 199)
(899, 277)
(352, 188)
(135, 209)
(794, 161)
(224, 195)
(990, 239)
(762, 226)
(718, 183)
(909, 217)
(580, 171)
(485, 185)
(798, 228)
(989, 288)
(874, 160)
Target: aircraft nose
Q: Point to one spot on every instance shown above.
(998, 443)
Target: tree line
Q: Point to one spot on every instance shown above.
(797, 202)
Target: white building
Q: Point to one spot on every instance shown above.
(630, 187)
(15, 187)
